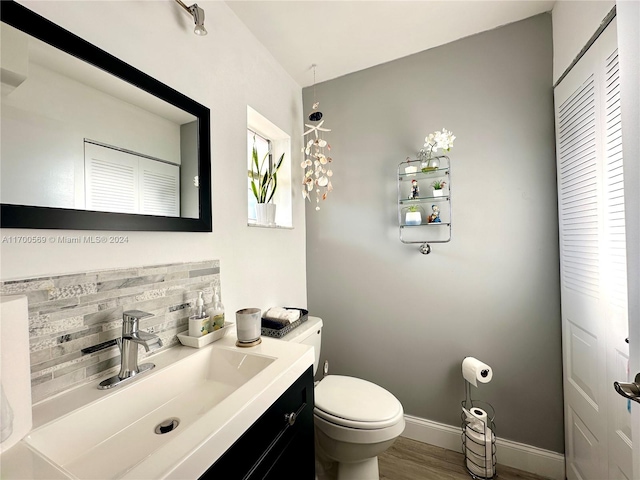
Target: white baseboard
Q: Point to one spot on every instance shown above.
(512, 454)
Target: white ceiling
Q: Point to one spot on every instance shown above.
(344, 36)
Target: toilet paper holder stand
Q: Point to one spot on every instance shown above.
(478, 437)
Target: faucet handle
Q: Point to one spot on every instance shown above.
(135, 314)
(130, 320)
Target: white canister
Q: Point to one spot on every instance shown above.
(249, 324)
(413, 218)
(198, 326)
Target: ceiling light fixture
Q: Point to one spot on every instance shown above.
(198, 17)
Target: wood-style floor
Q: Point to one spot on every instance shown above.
(411, 460)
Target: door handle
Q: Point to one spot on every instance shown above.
(629, 390)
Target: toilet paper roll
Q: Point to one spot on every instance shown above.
(477, 419)
(482, 471)
(474, 371)
(472, 421)
(479, 451)
(476, 443)
(481, 418)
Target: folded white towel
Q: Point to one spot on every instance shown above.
(281, 313)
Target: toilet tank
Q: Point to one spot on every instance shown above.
(309, 333)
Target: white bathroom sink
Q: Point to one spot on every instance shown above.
(114, 432)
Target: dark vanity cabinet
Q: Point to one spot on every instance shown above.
(279, 445)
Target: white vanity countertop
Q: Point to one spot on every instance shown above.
(196, 448)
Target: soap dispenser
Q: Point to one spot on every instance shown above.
(216, 313)
(199, 324)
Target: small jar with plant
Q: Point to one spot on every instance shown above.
(413, 215)
(438, 187)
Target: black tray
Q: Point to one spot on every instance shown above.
(270, 332)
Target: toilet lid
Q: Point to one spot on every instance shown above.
(359, 403)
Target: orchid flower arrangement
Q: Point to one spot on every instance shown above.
(435, 141)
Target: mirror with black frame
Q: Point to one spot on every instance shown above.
(89, 142)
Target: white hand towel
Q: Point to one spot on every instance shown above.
(281, 313)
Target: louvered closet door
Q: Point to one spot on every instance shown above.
(124, 182)
(592, 252)
(619, 421)
(111, 180)
(159, 188)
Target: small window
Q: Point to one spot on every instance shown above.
(273, 142)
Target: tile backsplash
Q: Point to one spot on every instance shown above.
(70, 314)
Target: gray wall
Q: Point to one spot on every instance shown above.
(404, 320)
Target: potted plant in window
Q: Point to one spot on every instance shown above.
(264, 182)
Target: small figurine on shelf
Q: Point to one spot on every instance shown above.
(415, 190)
(435, 214)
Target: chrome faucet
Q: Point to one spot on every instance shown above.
(128, 344)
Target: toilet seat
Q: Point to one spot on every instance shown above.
(355, 403)
(360, 436)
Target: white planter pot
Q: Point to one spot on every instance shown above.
(438, 193)
(413, 218)
(266, 214)
(249, 324)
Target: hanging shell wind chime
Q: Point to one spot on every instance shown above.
(316, 165)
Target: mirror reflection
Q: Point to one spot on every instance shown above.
(76, 137)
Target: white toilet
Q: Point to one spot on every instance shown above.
(355, 420)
